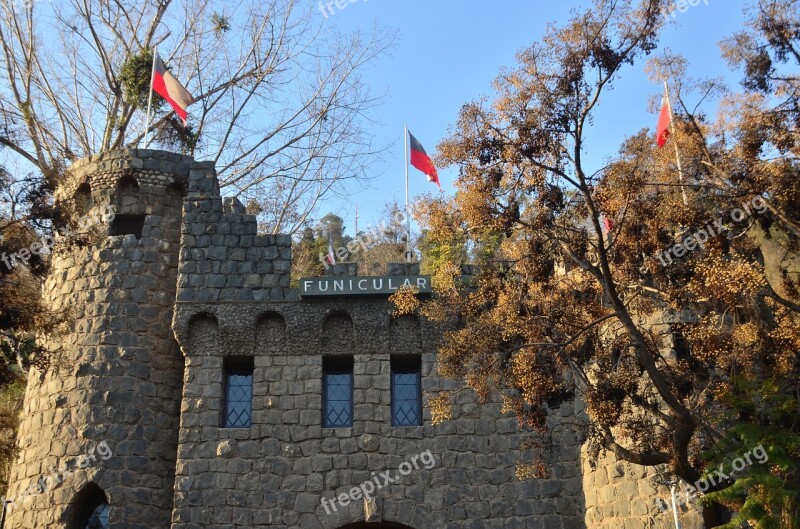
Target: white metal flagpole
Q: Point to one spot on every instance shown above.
(150, 99)
(408, 214)
(675, 507)
(675, 143)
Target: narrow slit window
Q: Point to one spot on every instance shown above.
(337, 392)
(238, 409)
(406, 390)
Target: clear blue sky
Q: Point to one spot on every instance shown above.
(448, 53)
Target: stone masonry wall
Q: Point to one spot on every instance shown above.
(623, 495)
(222, 257)
(275, 473)
(116, 375)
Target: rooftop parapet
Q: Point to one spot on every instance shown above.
(223, 258)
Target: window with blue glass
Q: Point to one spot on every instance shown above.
(337, 392)
(238, 409)
(406, 390)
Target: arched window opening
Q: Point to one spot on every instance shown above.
(128, 225)
(83, 199)
(128, 184)
(129, 219)
(91, 508)
(98, 518)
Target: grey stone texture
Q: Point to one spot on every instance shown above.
(155, 320)
(116, 376)
(276, 472)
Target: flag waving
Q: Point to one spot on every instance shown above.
(165, 85)
(423, 162)
(664, 121)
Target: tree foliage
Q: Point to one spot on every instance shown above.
(596, 283)
(371, 248)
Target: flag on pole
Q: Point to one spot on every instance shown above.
(331, 254)
(608, 224)
(663, 132)
(165, 85)
(664, 121)
(423, 162)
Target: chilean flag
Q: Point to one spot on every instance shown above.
(608, 224)
(664, 121)
(423, 162)
(165, 85)
(331, 257)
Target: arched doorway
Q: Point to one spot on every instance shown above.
(90, 508)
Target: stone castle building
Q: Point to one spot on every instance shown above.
(196, 389)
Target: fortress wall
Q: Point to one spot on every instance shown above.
(623, 495)
(275, 472)
(234, 302)
(118, 377)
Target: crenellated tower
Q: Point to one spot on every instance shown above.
(100, 426)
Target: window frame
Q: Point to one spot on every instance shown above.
(236, 366)
(405, 365)
(337, 365)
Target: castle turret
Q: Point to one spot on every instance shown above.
(98, 436)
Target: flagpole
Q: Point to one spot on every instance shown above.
(675, 143)
(408, 215)
(150, 99)
(331, 253)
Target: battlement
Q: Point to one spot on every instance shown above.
(223, 258)
(151, 169)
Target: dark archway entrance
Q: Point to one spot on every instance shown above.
(381, 525)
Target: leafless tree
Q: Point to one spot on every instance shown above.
(278, 95)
